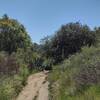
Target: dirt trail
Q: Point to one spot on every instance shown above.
(36, 88)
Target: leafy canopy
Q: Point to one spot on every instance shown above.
(13, 35)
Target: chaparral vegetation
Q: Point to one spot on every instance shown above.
(71, 54)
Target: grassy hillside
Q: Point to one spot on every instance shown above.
(77, 78)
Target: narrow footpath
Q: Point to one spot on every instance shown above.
(36, 88)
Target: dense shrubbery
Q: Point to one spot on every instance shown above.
(47, 64)
(8, 64)
(13, 35)
(68, 40)
(15, 57)
(77, 76)
(13, 75)
(10, 86)
(89, 73)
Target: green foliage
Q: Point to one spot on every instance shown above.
(23, 73)
(15, 56)
(32, 59)
(68, 40)
(8, 64)
(97, 32)
(47, 64)
(13, 35)
(77, 76)
(13, 74)
(6, 90)
(10, 86)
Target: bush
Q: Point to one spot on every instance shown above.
(75, 78)
(13, 35)
(89, 72)
(47, 64)
(8, 64)
(23, 74)
(13, 75)
(10, 86)
(69, 39)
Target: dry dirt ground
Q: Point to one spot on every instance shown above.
(36, 88)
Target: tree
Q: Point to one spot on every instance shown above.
(45, 47)
(97, 32)
(68, 40)
(13, 35)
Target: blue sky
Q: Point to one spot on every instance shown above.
(44, 17)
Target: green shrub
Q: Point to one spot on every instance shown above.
(75, 78)
(47, 64)
(8, 64)
(10, 86)
(7, 88)
(23, 73)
